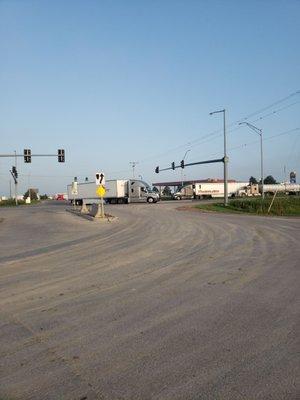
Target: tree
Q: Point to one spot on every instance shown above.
(269, 180)
(32, 194)
(167, 191)
(252, 180)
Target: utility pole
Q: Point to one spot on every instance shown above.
(182, 168)
(260, 133)
(225, 156)
(10, 188)
(133, 164)
(16, 182)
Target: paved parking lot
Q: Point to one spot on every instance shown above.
(161, 304)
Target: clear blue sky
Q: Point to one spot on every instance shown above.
(120, 81)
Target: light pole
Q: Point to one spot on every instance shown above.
(16, 182)
(133, 164)
(182, 169)
(260, 132)
(225, 156)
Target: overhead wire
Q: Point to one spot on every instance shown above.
(267, 138)
(217, 133)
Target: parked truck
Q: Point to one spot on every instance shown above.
(256, 189)
(118, 191)
(235, 189)
(208, 190)
(287, 188)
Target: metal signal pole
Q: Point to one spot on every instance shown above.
(181, 168)
(16, 182)
(260, 133)
(225, 156)
(133, 164)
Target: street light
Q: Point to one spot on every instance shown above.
(260, 132)
(225, 157)
(133, 164)
(182, 169)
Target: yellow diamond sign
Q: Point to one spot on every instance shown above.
(101, 191)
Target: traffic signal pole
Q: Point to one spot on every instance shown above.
(182, 165)
(225, 156)
(32, 155)
(27, 159)
(16, 182)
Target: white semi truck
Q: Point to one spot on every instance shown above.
(235, 189)
(269, 189)
(208, 190)
(287, 188)
(118, 191)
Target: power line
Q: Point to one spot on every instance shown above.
(272, 105)
(265, 139)
(217, 133)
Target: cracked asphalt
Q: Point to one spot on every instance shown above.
(159, 304)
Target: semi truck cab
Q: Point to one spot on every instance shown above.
(140, 191)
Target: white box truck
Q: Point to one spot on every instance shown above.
(118, 191)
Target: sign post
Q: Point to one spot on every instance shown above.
(100, 181)
(74, 190)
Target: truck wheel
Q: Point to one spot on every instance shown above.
(150, 200)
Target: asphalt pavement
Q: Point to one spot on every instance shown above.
(159, 304)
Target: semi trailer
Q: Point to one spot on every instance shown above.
(208, 190)
(118, 191)
(235, 189)
(287, 188)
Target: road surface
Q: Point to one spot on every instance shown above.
(160, 304)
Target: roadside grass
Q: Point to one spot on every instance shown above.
(12, 203)
(285, 205)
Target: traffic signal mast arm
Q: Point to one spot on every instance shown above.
(190, 164)
(27, 155)
(32, 155)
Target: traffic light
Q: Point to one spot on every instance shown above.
(182, 163)
(157, 170)
(61, 155)
(15, 172)
(27, 155)
(173, 165)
